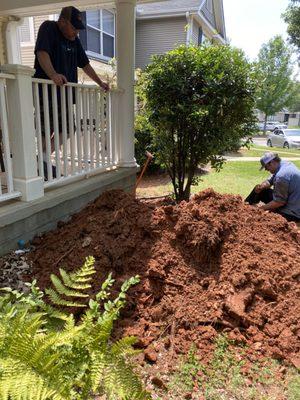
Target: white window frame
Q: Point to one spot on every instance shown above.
(101, 56)
(31, 34)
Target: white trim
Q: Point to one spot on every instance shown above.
(31, 33)
(97, 56)
(164, 14)
(212, 31)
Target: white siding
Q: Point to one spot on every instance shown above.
(27, 53)
(157, 37)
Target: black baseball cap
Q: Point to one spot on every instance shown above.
(73, 15)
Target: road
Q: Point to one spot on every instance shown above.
(260, 141)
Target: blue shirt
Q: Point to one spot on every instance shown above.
(286, 182)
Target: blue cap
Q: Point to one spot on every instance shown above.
(266, 158)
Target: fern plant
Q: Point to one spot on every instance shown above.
(75, 359)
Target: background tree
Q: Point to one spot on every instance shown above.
(292, 18)
(199, 103)
(294, 103)
(274, 71)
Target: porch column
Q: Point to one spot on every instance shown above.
(125, 51)
(22, 132)
(13, 48)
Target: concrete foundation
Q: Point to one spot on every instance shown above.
(24, 220)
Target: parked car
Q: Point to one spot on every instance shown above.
(287, 138)
(271, 125)
(279, 126)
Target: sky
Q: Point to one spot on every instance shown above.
(250, 23)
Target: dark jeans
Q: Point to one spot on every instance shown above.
(265, 196)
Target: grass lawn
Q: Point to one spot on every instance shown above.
(258, 151)
(236, 177)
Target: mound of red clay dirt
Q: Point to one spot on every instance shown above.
(207, 266)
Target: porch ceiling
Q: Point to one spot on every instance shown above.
(34, 7)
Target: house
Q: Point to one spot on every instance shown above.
(160, 27)
(283, 116)
(96, 150)
(294, 119)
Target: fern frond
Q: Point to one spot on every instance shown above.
(123, 347)
(17, 382)
(62, 289)
(69, 282)
(56, 299)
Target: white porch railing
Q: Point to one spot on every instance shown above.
(76, 130)
(7, 191)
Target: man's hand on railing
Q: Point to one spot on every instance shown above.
(59, 79)
(104, 86)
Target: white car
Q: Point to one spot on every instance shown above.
(272, 125)
(287, 138)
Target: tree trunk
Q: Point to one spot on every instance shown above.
(265, 123)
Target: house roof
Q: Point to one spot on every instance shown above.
(171, 6)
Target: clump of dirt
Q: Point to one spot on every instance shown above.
(207, 266)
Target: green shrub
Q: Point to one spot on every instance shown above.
(45, 353)
(199, 103)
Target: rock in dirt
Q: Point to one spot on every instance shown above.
(207, 266)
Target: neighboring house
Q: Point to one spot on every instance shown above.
(161, 26)
(294, 119)
(283, 116)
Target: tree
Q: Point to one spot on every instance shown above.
(274, 71)
(294, 103)
(199, 102)
(292, 18)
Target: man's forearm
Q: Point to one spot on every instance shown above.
(46, 64)
(91, 73)
(272, 205)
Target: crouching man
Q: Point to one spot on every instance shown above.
(284, 198)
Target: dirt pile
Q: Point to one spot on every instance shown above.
(213, 264)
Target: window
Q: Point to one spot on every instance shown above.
(100, 41)
(200, 36)
(26, 32)
(209, 6)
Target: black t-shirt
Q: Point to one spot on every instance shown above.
(65, 55)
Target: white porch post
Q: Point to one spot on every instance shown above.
(22, 132)
(13, 41)
(125, 49)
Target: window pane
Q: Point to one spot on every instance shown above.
(108, 46)
(93, 40)
(108, 22)
(93, 18)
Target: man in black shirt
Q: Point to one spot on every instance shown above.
(58, 53)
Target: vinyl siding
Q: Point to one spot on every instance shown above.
(27, 52)
(157, 37)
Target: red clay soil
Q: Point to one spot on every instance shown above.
(207, 266)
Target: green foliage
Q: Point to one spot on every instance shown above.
(144, 142)
(274, 70)
(198, 102)
(74, 360)
(294, 102)
(292, 18)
